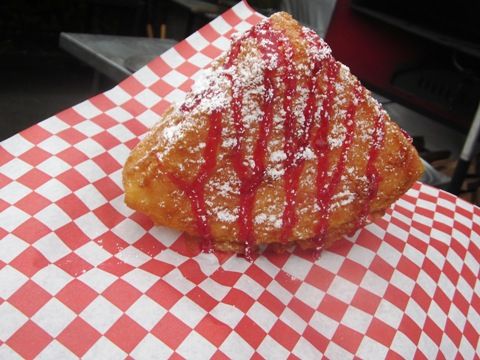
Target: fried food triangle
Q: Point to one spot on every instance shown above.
(278, 143)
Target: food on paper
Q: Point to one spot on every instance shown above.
(277, 143)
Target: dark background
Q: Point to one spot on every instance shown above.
(38, 79)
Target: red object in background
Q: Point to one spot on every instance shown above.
(376, 52)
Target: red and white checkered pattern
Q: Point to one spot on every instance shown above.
(81, 275)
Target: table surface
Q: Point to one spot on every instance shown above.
(84, 276)
(114, 56)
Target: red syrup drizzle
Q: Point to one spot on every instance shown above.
(291, 148)
(295, 145)
(373, 177)
(195, 189)
(327, 184)
(250, 179)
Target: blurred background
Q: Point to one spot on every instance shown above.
(421, 58)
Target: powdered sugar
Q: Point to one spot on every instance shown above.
(336, 136)
(275, 173)
(278, 156)
(209, 92)
(174, 132)
(272, 220)
(229, 143)
(342, 198)
(226, 215)
(318, 49)
(308, 154)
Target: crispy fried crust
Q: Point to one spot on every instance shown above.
(176, 144)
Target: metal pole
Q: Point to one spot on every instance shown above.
(466, 156)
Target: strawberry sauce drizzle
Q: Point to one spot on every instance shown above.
(327, 183)
(321, 148)
(291, 147)
(372, 174)
(296, 145)
(195, 190)
(250, 179)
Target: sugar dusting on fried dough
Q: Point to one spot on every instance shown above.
(249, 91)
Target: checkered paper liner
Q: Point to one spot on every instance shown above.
(81, 275)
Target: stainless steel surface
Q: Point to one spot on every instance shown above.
(437, 136)
(469, 146)
(466, 156)
(135, 63)
(433, 177)
(315, 14)
(110, 54)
